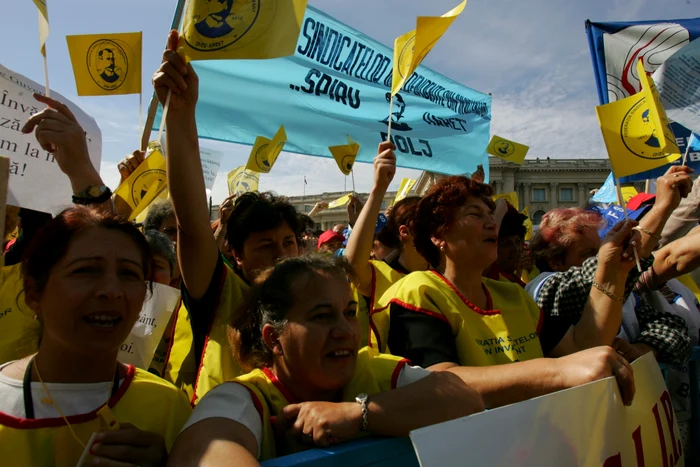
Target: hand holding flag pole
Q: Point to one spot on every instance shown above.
(621, 202)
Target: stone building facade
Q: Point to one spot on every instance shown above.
(326, 219)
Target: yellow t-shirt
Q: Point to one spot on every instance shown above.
(144, 400)
(508, 331)
(217, 363)
(374, 374)
(19, 330)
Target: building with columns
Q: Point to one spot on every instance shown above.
(326, 219)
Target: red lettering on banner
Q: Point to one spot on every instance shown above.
(677, 445)
(638, 448)
(662, 438)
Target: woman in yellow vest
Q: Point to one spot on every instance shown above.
(311, 385)
(85, 276)
(375, 277)
(458, 320)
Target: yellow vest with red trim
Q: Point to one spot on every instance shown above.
(19, 330)
(144, 400)
(217, 363)
(507, 332)
(374, 374)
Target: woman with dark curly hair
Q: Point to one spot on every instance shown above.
(460, 320)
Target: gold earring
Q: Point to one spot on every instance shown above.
(442, 247)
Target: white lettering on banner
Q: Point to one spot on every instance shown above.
(586, 426)
(30, 166)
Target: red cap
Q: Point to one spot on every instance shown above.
(329, 236)
(637, 201)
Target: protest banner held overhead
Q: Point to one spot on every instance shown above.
(337, 83)
(30, 165)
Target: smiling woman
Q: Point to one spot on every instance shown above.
(86, 274)
(311, 384)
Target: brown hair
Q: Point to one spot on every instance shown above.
(437, 210)
(269, 300)
(402, 213)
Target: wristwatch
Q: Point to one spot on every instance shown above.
(92, 195)
(363, 399)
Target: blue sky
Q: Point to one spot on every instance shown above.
(532, 55)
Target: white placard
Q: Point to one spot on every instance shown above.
(584, 426)
(138, 349)
(36, 182)
(211, 162)
(678, 81)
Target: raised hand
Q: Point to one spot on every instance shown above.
(384, 165)
(178, 77)
(130, 163)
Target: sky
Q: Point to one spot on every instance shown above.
(531, 55)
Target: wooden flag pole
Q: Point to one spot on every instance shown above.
(46, 75)
(687, 150)
(391, 109)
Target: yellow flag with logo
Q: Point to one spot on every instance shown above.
(511, 197)
(631, 138)
(106, 64)
(240, 180)
(342, 201)
(345, 155)
(404, 189)
(264, 153)
(43, 24)
(162, 196)
(241, 29)
(411, 48)
(657, 114)
(527, 223)
(628, 192)
(144, 184)
(507, 150)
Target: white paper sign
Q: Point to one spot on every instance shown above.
(678, 81)
(211, 162)
(138, 349)
(36, 182)
(587, 426)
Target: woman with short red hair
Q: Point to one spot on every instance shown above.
(459, 320)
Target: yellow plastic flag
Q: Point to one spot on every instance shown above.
(404, 189)
(657, 114)
(527, 223)
(265, 152)
(144, 184)
(511, 197)
(240, 180)
(163, 195)
(507, 150)
(628, 192)
(631, 137)
(342, 201)
(345, 155)
(411, 48)
(43, 24)
(241, 29)
(106, 64)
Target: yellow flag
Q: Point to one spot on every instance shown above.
(631, 138)
(404, 189)
(511, 197)
(345, 155)
(144, 184)
(411, 48)
(163, 195)
(265, 152)
(106, 64)
(241, 29)
(43, 24)
(657, 114)
(240, 180)
(507, 150)
(527, 223)
(342, 201)
(628, 192)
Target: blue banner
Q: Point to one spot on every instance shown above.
(337, 84)
(616, 47)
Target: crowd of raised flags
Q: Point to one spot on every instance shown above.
(257, 336)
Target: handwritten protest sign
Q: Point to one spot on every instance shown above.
(36, 182)
(584, 426)
(211, 162)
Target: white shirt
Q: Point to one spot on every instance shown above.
(73, 399)
(233, 401)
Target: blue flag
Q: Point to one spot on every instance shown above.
(694, 142)
(337, 84)
(615, 49)
(606, 193)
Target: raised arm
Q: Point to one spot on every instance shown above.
(360, 243)
(196, 248)
(677, 258)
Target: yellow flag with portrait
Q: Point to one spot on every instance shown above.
(411, 48)
(241, 29)
(345, 155)
(264, 153)
(507, 150)
(106, 64)
(240, 180)
(143, 185)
